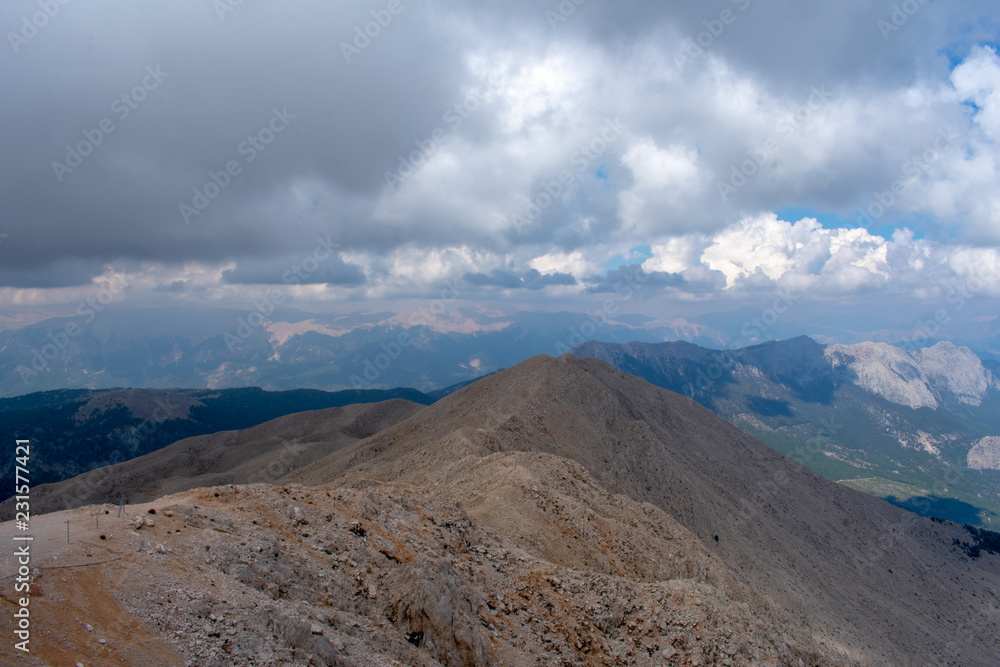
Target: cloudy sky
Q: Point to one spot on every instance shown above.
(536, 153)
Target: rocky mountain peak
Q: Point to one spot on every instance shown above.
(919, 378)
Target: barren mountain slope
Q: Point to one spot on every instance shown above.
(259, 454)
(885, 420)
(559, 512)
(871, 582)
(390, 575)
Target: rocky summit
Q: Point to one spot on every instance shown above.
(560, 512)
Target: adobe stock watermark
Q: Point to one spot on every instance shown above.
(565, 9)
(31, 25)
(223, 7)
(960, 292)
(381, 18)
(58, 341)
(751, 508)
(85, 484)
(249, 149)
(297, 274)
(756, 326)
(624, 290)
(969, 636)
(454, 116)
(278, 467)
(583, 157)
(374, 367)
(912, 168)
(899, 16)
(693, 48)
(921, 508)
(122, 107)
(740, 174)
(165, 410)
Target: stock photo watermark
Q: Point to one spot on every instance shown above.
(248, 149)
(582, 158)
(122, 107)
(31, 25)
(624, 289)
(899, 15)
(363, 35)
(22, 518)
(883, 200)
(960, 292)
(297, 274)
(921, 507)
(57, 342)
(752, 507)
(741, 173)
(752, 329)
(454, 117)
(562, 13)
(223, 7)
(693, 48)
(374, 367)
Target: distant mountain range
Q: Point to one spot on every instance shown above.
(76, 430)
(911, 426)
(558, 512)
(178, 347)
(917, 427)
(426, 348)
(261, 453)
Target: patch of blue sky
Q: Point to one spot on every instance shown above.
(885, 226)
(635, 255)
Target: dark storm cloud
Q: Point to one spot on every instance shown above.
(175, 286)
(332, 271)
(630, 275)
(788, 42)
(63, 272)
(121, 118)
(84, 82)
(531, 279)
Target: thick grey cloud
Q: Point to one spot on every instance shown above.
(297, 271)
(531, 279)
(61, 272)
(219, 83)
(629, 276)
(467, 138)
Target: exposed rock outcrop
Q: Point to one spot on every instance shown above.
(985, 455)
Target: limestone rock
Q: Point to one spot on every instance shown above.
(985, 455)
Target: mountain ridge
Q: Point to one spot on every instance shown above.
(702, 472)
(635, 523)
(260, 453)
(84, 429)
(849, 412)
